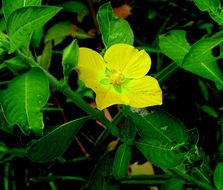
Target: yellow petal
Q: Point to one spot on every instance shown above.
(128, 60)
(144, 92)
(91, 67)
(106, 95)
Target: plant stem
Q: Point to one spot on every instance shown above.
(145, 179)
(166, 72)
(192, 180)
(116, 120)
(74, 97)
(53, 178)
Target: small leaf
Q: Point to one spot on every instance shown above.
(209, 110)
(45, 58)
(174, 45)
(23, 100)
(55, 143)
(173, 184)
(203, 89)
(59, 31)
(114, 30)
(24, 21)
(200, 61)
(218, 176)
(76, 7)
(101, 178)
(10, 6)
(70, 59)
(121, 161)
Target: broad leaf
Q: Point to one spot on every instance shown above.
(160, 154)
(199, 60)
(113, 29)
(213, 7)
(59, 31)
(161, 136)
(23, 100)
(11, 5)
(174, 45)
(70, 59)
(55, 143)
(101, 178)
(218, 176)
(206, 5)
(121, 161)
(24, 21)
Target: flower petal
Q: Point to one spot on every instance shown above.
(128, 60)
(91, 67)
(144, 92)
(106, 95)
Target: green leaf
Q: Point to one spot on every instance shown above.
(24, 21)
(23, 100)
(70, 59)
(45, 58)
(161, 136)
(128, 131)
(59, 31)
(10, 6)
(101, 178)
(55, 143)
(76, 7)
(114, 30)
(218, 176)
(173, 184)
(213, 7)
(209, 110)
(37, 37)
(204, 89)
(121, 161)
(206, 5)
(200, 61)
(16, 64)
(161, 155)
(4, 43)
(174, 45)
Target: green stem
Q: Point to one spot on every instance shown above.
(192, 180)
(54, 178)
(6, 176)
(116, 120)
(166, 72)
(145, 179)
(75, 98)
(20, 152)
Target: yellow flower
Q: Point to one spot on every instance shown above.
(119, 77)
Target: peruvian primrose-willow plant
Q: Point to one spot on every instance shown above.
(113, 92)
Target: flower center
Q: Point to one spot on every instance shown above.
(117, 78)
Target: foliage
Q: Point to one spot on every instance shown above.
(54, 134)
